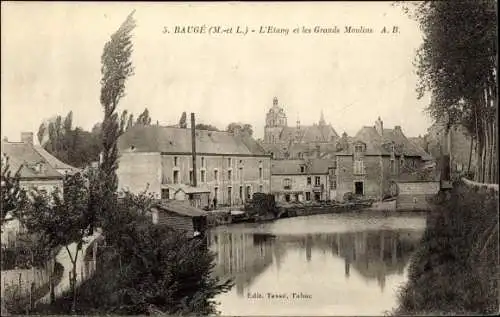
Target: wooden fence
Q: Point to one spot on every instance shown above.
(21, 285)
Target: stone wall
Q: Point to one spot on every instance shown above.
(219, 172)
(137, 170)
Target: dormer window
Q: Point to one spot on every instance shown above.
(358, 148)
(38, 167)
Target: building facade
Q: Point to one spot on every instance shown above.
(37, 170)
(454, 142)
(299, 142)
(302, 180)
(371, 163)
(229, 168)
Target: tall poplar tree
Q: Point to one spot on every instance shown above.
(457, 65)
(116, 68)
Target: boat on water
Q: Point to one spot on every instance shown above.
(238, 216)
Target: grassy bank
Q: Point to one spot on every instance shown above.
(456, 267)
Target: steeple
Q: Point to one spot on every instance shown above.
(275, 102)
(322, 119)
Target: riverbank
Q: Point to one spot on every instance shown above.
(456, 267)
(224, 217)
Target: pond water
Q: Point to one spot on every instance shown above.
(336, 264)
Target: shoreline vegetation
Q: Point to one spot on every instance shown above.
(456, 266)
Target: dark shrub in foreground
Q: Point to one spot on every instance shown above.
(456, 267)
(153, 269)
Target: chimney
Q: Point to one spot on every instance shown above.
(379, 126)
(193, 143)
(27, 137)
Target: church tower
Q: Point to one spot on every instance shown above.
(322, 119)
(275, 122)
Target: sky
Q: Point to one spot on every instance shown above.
(50, 64)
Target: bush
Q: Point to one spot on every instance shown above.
(455, 268)
(262, 204)
(149, 268)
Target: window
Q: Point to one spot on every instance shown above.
(359, 167)
(393, 166)
(202, 176)
(241, 193)
(260, 173)
(333, 183)
(308, 180)
(358, 188)
(216, 175)
(229, 175)
(287, 183)
(229, 162)
(317, 181)
(165, 193)
(358, 148)
(175, 161)
(190, 177)
(202, 162)
(249, 192)
(261, 189)
(176, 177)
(402, 160)
(302, 169)
(308, 196)
(241, 173)
(300, 155)
(229, 195)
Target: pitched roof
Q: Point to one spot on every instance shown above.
(286, 167)
(24, 156)
(54, 162)
(292, 167)
(180, 207)
(305, 134)
(377, 144)
(178, 140)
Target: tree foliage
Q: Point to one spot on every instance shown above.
(144, 118)
(73, 146)
(240, 128)
(13, 195)
(183, 121)
(60, 219)
(208, 127)
(457, 64)
(116, 68)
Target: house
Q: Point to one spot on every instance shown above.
(455, 142)
(180, 216)
(228, 167)
(370, 163)
(298, 142)
(302, 180)
(37, 169)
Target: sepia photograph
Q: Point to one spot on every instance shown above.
(249, 158)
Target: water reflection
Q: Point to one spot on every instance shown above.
(361, 260)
